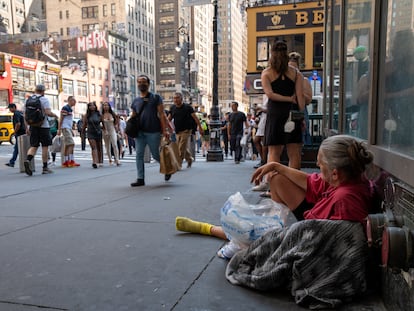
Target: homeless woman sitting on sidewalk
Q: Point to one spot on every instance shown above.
(321, 260)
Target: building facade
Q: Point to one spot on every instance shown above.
(232, 55)
(133, 20)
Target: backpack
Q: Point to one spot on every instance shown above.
(34, 114)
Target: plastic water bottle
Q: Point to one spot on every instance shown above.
(228, 250)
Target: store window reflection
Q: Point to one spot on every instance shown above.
(359, 23)
(397, 110)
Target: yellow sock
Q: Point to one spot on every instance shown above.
(189, 225)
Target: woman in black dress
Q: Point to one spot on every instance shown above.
(92, 123)
(283, 85)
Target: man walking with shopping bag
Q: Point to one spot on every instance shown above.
(152, 124)
(184, 118)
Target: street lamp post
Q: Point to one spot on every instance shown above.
(215, 153)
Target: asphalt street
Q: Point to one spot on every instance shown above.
(83, 239)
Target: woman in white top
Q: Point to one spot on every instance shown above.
(110, 123)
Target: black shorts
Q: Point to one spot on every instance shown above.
(303, 207)
(40, 135)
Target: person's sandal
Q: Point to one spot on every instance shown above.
(265, 194)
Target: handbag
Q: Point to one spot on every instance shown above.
(133, 123)
(132, 127)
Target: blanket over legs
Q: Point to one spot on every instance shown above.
(322, 262)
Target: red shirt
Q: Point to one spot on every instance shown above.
(346, 202)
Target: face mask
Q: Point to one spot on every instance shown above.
(143, 87)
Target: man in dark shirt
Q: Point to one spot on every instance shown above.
(235, 130)
(184, 117)
(153, 123)
(19, 129)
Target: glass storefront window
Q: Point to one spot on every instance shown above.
(331, 71)
(294, 42)
(317, 49)
(356, 86)
(25, 78)
(396, 108)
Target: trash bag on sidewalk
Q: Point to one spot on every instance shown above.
(243, 222)
(169, 163)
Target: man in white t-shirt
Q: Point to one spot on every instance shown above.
(65, 129)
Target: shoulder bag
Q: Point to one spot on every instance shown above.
(132, 124)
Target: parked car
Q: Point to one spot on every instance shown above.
(6, 128)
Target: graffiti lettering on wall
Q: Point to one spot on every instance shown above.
(94, 40)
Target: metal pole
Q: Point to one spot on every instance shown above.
(190, 99)
(215, 153)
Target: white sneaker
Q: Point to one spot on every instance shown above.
(228, 250)
(263, 186)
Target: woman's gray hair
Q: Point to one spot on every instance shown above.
(347, 154)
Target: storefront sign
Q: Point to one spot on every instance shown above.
(52, 68)
(289, 19)
(23, 62)
(253, 84)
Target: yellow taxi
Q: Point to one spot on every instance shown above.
(6, 128)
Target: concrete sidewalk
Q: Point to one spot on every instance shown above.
(83, 239)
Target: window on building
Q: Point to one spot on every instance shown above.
(166, 33)
(167, 71)
(167, 58)
(165, 20)
(82, 88)
(167, 83)
(113, 9)
(90, 12)
(92, 72)
(67, 13)
(166, 7)
(104, 10)
(60, 15)
(67, 86)
(93, 89)
(168, 45)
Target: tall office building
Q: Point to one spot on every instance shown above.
(232, 54)
(129, 19)
(184, 52)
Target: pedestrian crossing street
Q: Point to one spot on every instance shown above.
(85, 155)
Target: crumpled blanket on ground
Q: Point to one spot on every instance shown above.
(322, 262)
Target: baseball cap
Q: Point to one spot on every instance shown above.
(40, 88)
